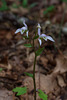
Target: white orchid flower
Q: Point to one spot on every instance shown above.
(23, 29)
(43, 36)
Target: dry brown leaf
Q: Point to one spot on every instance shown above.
(6, 95)
(48, 83)
(61, 66)
(61, 81)
(43, 61)
(20, 10)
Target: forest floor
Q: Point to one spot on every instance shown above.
(15, 58)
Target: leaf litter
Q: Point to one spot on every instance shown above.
(15, 59)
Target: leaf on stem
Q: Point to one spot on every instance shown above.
(36, 37)
(33, 5)
(29, 74)
(49, 9)
(42, 95)
(39, 51)
(20, 90)
(25, 37)
(27, 45)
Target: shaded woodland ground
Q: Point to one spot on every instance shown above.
(15, 58)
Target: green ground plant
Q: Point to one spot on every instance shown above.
(1, 69)
(4, 6)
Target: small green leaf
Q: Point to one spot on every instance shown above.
(42, 95)
(14, 5)
(27, 45)
(4, 6)
(49, 9)
(64, 1)
(20, 90)
(33, 5)
(29, 74)
(36, 37)
(1, 69)
(24, 3)
(39, 51)
(26, 37)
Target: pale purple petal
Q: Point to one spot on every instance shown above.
(42, 35)
(50, 38)
(24, 28)
(38, 25)
(40, 41)
(27, 33)
(39, 31)
(24, 23)
(18, 30)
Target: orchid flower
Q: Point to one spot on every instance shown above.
(23, 29)
(43, 36)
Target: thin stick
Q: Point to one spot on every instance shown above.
(62, 23)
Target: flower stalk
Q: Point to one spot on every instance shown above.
(34, 72)
(34, 78)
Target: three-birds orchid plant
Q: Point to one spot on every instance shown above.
(40, 37)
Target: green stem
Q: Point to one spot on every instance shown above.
(34, 78)
(34, 73)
